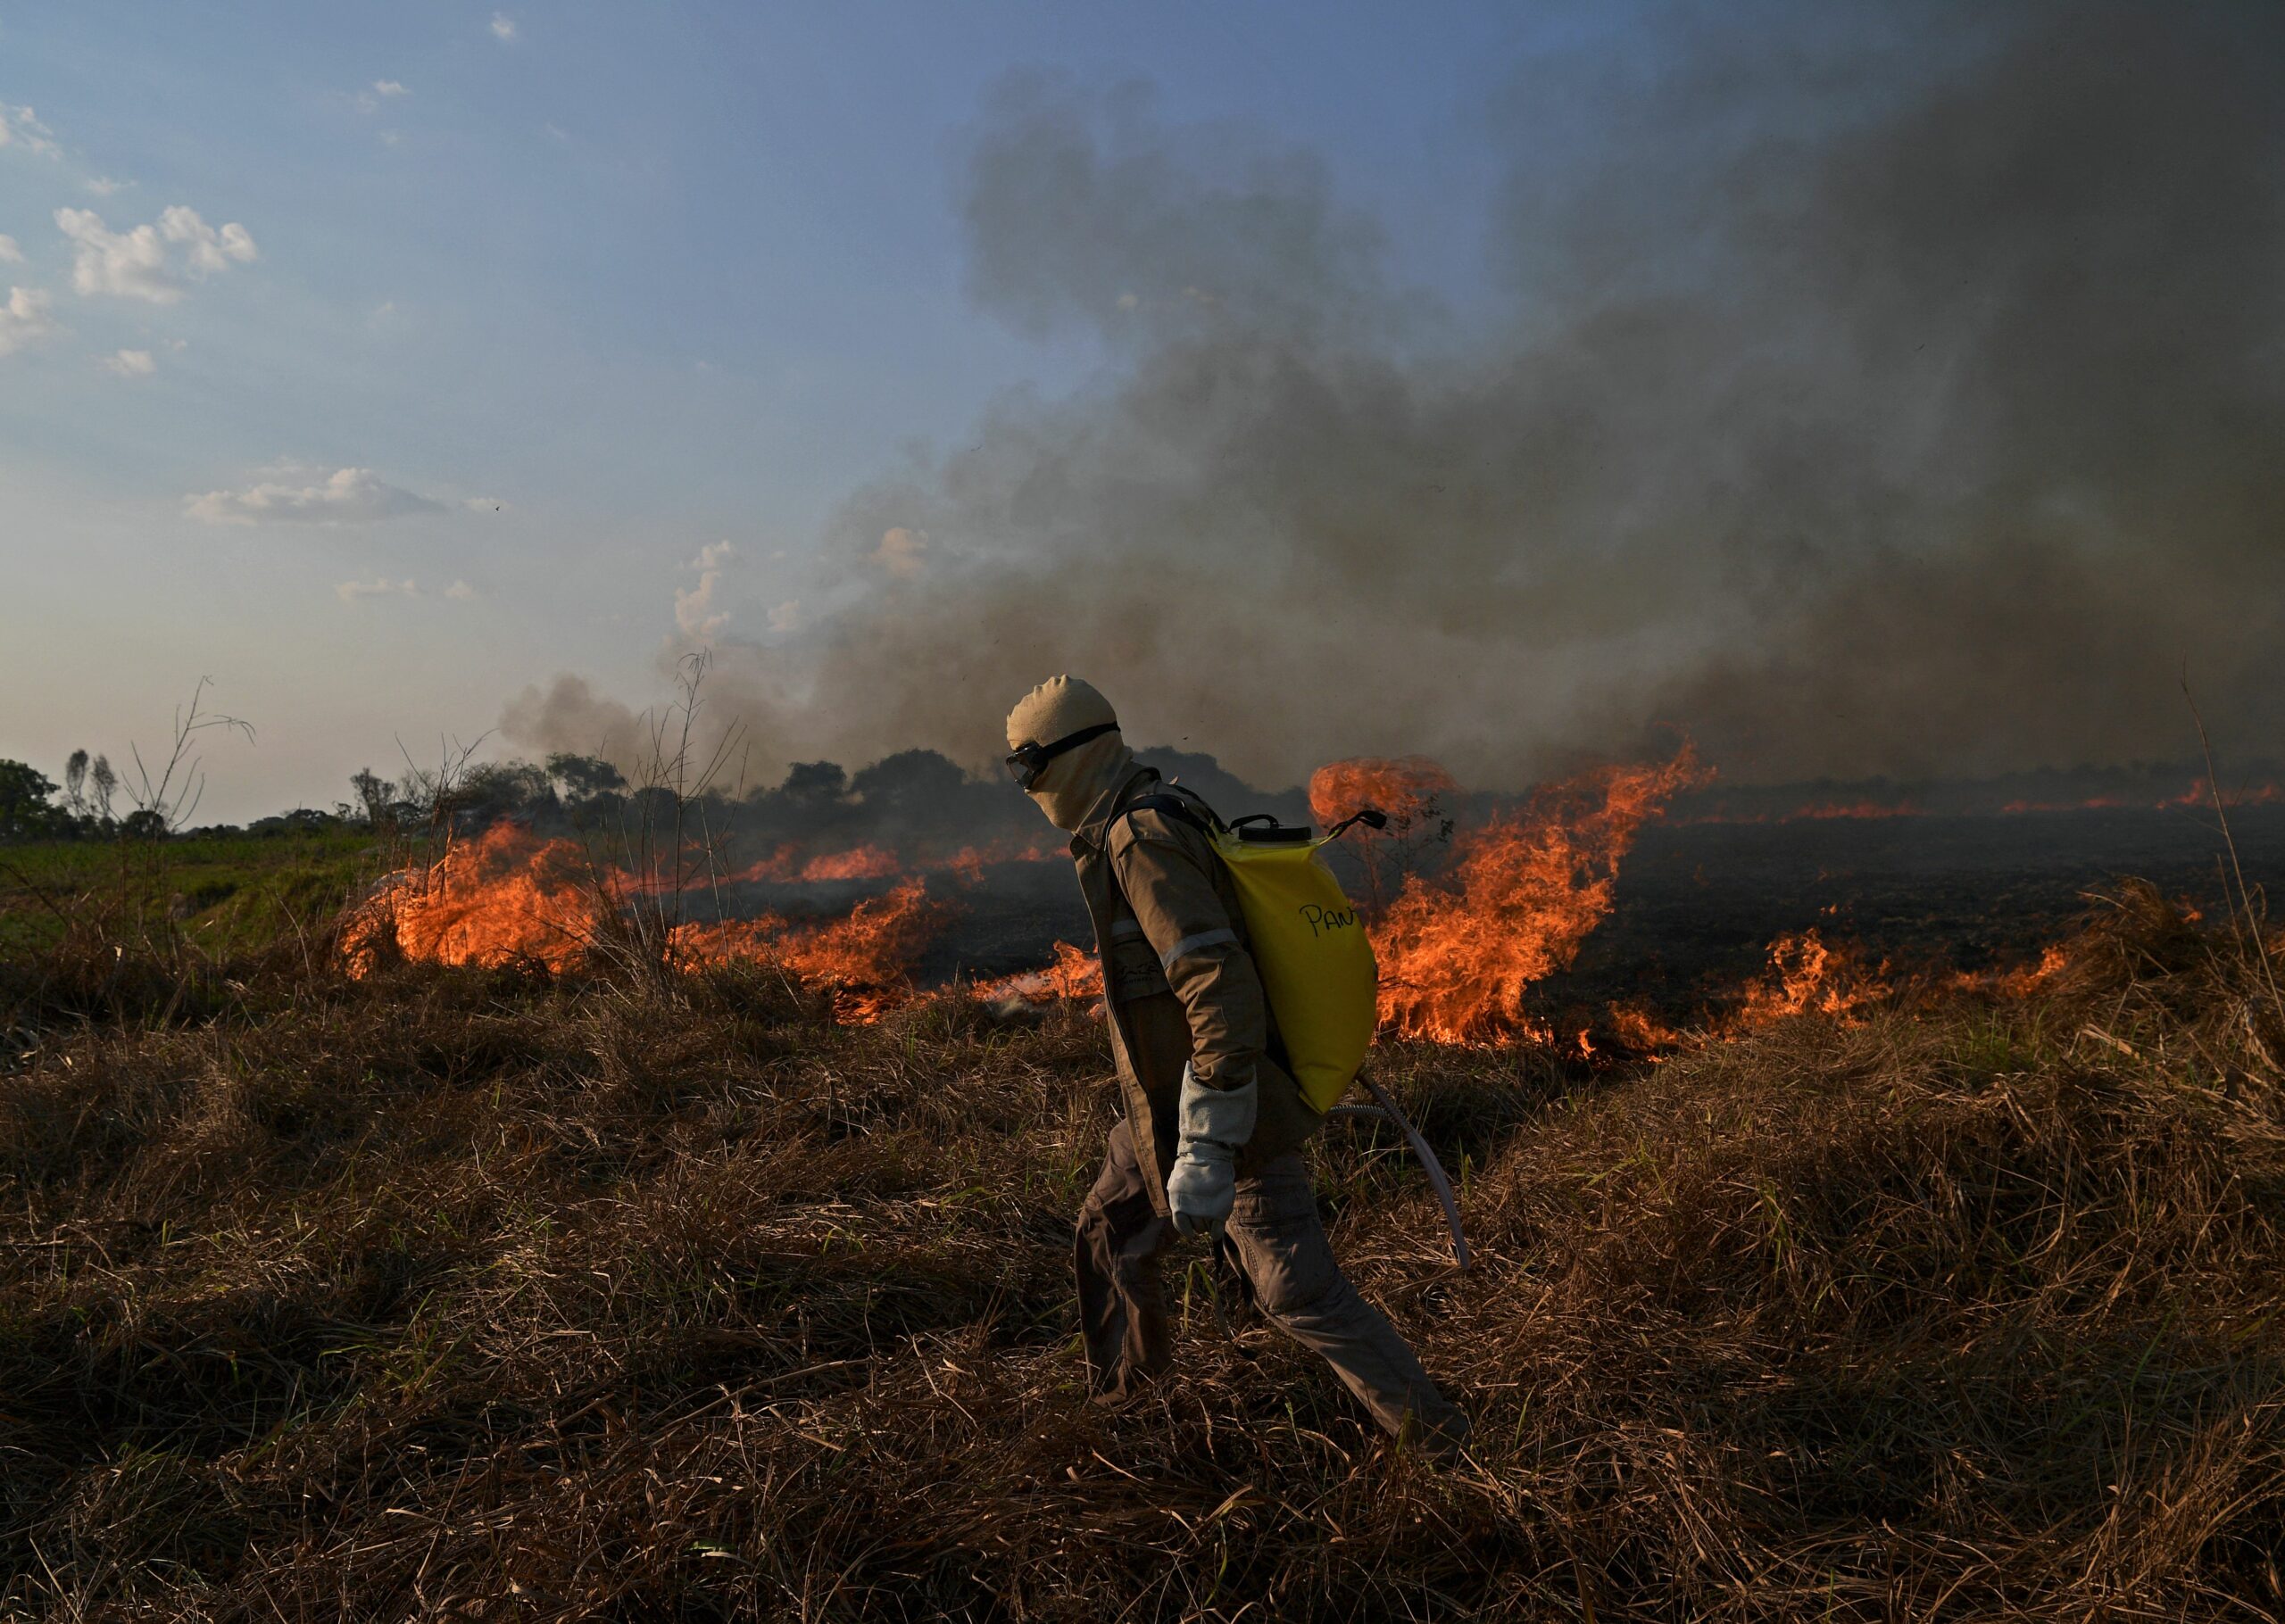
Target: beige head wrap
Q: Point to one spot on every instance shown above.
(1076, 780)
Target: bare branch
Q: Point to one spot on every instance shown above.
(181, 784)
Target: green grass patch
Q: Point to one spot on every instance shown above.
(225, 891)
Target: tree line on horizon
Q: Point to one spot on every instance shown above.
(906, 793)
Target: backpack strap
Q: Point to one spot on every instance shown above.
(1177, 803)
(1187, 806)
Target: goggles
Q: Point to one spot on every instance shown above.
(1026, 762)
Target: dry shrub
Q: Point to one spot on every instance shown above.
(507, 1295)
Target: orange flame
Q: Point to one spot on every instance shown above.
(1412, 789)
(1519, 896)
(1824, 809)
(509, 895)
(1808, 976)
(2053, 960)
(1640, 1029)
(2020, 983)
(790, 865)
(864, 957)
(504, 897)
(864, 863)
(2200, 794)
(1403, 788)
(1522, 894)
(969, 862)
(787, 865)
(1076, 974)
(781, 865)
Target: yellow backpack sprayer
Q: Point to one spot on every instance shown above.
(1316, 962)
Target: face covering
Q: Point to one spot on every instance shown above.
(1071, 783)
(1068, 791)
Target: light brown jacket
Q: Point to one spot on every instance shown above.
(1179, 984)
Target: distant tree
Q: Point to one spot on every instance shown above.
(375, 796)
(75, 782)
(911, 778)
(146, 822)
(503, 788)
(655, 803)
(25, 814)
(420, 792)
(584, 778)
(301, 820)
(105, 784)
(814, 781)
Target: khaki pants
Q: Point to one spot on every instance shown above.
(1273, 1249)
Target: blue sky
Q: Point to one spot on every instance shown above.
(528, 306)
(1863, 391)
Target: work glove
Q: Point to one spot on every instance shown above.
(1213, 1126)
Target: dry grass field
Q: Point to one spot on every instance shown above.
(509, 1295)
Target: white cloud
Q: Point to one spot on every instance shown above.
(483, 505)
(209, 250)
(347, 496)
(786, 616)
(695, 611)
(349, 592)
(695, 614)
(369, 102)
(132, 264)
(902, 553)
(136, 264)
(103, 186)
(10, 255)
(24, 319)
(504, 28)
(129, 363)
(381, 586)
(20, 126)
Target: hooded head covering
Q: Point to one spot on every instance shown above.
(1071, 783)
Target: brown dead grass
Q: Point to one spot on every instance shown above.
(490, 1295)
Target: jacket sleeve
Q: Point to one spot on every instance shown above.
(1165, 872)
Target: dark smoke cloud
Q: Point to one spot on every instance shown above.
(1905, 404)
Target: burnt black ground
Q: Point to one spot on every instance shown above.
(1697, 905)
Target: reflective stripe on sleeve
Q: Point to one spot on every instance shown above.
(1191, 944)
(1124, 927)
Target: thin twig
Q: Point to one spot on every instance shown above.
(2258, 945)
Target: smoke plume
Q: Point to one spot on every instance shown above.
(1905, 402)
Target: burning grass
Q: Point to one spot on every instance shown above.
(1465, 920)
(512, 897)
(521, 1294)
(1458, 952)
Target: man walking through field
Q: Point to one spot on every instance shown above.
(1214, 1122)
